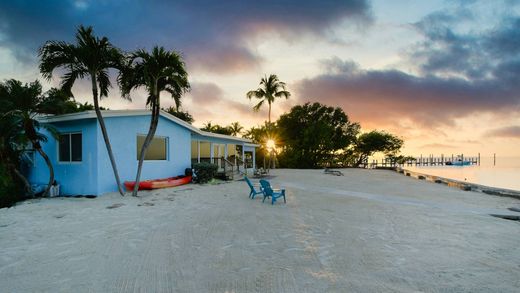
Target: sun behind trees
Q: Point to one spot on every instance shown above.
(316, 136)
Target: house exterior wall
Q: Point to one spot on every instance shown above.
(123, 133)
(94, 174)
(73, 177)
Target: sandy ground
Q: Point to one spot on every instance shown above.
(368, 231)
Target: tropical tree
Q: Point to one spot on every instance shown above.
(314, 134)
(270, 89)
(235, 128)
(209, 127)
(57, 102)
(376, 141)
(12, 144)
(24, 102)
(158, 71)
(89, 57)
(183, 115)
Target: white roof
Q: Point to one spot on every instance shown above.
(120, 113)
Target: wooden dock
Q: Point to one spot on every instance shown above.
(423, 161)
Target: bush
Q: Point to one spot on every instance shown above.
(10, 191)
(204, 172)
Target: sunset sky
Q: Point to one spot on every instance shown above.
(444, 75)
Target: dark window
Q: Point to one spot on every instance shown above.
(75, 147)
(70, 148)
(64, 148)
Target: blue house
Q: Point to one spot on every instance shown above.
(81, 162)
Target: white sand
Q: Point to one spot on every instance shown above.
(369, 231)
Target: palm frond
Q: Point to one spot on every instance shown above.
(103, 81)
(258, 106)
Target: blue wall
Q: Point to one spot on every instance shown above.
(76, 177)
(123, 137)
(94, 174)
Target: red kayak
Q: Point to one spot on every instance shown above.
(159, 183)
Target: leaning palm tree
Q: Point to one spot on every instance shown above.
(157, 71)
(24, 103)
(270, 89)
(12, 143)
(90, 57)
(235, 128)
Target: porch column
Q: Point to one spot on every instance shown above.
(244, 156)
(225, 151)
(198, 151)
(211, 152)
(254, 158)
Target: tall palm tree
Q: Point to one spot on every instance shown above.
(235, 128)
(270, 89)
(24, 102)
(90, 57)
(158, 71)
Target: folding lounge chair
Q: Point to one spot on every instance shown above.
(252, 187)
(269, 192)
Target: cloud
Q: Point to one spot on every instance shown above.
(207, 101)
(504, 132)
(463, 68)
(385, 97)
(213, 35)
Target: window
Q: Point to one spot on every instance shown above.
(69, 147)
(157, 150)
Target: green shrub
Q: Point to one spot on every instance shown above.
(10, 188)
(204, 172)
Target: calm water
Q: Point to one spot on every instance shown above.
(505, 174)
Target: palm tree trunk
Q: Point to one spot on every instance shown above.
(24, 180)
(49, 165)
(269, 113)
(151, 132)
(104, 132)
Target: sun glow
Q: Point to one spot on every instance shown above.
(270, 144)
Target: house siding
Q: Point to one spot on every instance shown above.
(75, 177)
(94, 174)
(123, 133)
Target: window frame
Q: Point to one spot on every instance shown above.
(70, 148)
(167, 147)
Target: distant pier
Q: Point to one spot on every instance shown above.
(423, 161)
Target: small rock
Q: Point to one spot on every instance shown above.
(115, 206)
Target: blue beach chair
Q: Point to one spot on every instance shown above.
(270, 192)
(252, 187)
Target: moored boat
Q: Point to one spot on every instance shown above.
(159, 183)
(458, 162)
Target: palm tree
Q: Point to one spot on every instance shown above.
(208, 126)
(12, 142)
(270, 89)
(24, 103)
(89, 57)
(157, 71)
(235, 128)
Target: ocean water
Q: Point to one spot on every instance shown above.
(504, 174)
